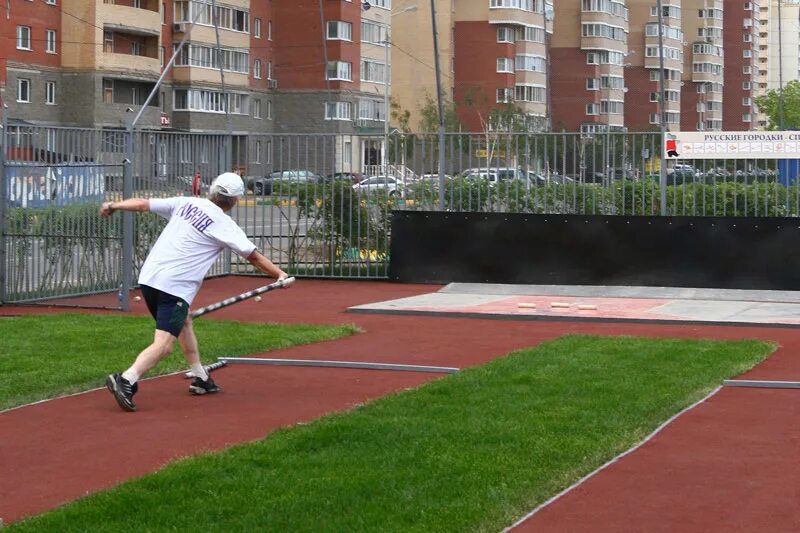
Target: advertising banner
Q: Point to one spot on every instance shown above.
(732, 145)
(42, 186)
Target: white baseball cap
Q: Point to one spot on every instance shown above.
(228, 184)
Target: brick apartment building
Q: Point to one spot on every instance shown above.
(589, 65)
(85, 63)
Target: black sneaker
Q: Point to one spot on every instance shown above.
(122, 390)
(198, 386)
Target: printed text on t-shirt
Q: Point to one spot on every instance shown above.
(195, 216)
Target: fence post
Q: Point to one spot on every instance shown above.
(127, 222)
(4, 183)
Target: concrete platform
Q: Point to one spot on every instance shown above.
(627, 304)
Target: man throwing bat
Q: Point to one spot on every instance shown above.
(197, 231)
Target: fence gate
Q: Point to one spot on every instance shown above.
(53, 242)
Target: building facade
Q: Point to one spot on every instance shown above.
(741, 22)
(588, 55)
(284, 67)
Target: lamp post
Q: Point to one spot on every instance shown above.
(661, 108)
(387, 79)
(780, 67)
(440, 104)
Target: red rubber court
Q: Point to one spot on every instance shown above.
(729, 464)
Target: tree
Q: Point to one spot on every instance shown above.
(429, 116)
(770, 104)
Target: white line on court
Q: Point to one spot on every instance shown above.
(611, 462)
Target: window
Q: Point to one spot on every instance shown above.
(747, 101)
(137, 4)
(372, 32)
(108, 42)
(108, 91)
(257, 28)
(229, 18)
(206, 101)
(746, 85)
(385, 4)
(136, 48)
(373, 71)
(531, 63)
(269, 30)
(163, 13)
(505, 95)
(369, 109)
(505, 35)
(257, 69)
(338, 111)
(23, 37)
(747, 53)
(257, 152)
(23, 91)
(161, 55)
(535, 6)
(50, 41)
(347, 153)
(50, 93)
(197, 55)
(592, 84)
(269, 109)
(747, 117)
(592, 109)
(269, 69)
(339, 70)
(530, 93)
(135, 95)
(256, 108)
(505, 64)
(340, 30)
(51, 2)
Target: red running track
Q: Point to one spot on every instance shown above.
(730, 464)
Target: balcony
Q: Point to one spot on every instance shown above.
(510, 15)
(193, 75)
(129, 52)
(130, 20)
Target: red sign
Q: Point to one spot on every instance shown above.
(164, 119)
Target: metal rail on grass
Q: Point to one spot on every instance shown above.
(339, 364)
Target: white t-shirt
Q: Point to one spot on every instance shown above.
(197, 231)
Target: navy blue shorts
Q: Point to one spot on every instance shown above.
(169, 311)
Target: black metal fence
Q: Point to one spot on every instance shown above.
(321, 205)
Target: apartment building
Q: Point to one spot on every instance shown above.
(763, 57)
(643, 65)
(31, 82)
(501, 59)
(702, 95)
(741, 22)
(413, 68)
(104, 58)
(588, 55)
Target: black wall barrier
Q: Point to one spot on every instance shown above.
(702, 252)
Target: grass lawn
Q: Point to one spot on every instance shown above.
(472, 451)
(43, 356)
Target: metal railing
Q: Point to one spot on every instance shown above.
(304, 208)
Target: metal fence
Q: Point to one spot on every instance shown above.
(321, 205)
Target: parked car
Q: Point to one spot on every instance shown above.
(388, 184)
(494, 174)
(267, 184)
(355, 177)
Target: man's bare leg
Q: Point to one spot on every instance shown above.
(191, 350)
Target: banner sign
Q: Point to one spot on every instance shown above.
(42, 186)
(732, 145)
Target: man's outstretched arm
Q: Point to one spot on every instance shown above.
(266, 266)
(131, 204)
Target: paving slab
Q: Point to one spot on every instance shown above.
(596, 303)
